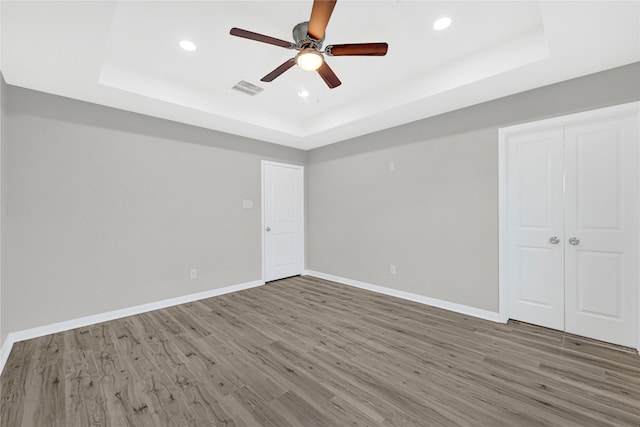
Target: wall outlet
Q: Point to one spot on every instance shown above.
(194, 273)
(247, 204)
(392, 269)
(392, 166)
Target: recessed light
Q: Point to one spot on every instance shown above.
(442, 23)
(188, 45)
(303, 93)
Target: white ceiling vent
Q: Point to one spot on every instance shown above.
(247, 88)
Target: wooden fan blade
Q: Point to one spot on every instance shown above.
(329, 76)
(320, 14)
(357, 49)
(281, 69)
(238, 32)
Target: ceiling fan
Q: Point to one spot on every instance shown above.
(309, 37)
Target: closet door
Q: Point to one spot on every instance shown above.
(601, 271)
(535, 227)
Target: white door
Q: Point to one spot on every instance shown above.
(283, 220)
(535, 218)
(570, 232)
(601, 166)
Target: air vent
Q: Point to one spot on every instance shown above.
(247, 88)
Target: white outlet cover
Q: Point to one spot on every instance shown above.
(247, 204)
(392, 166)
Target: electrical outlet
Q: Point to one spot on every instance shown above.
(194, 273)
(392, 166)
(392, 269)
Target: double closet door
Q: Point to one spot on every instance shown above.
(572, 213)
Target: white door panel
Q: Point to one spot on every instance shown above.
(283, 220)
(593, 269)
(602, 212)
(536, 277)
(535, 216)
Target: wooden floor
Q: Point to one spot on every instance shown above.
(304, 352)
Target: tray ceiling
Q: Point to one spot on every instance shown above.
(127, 55)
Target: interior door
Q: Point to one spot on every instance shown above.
(283, 220)
(601, 229)
(535, 218)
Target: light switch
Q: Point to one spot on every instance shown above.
(392, 166)
(247, 204)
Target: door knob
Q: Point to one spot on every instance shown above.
(554, 240)
(574, 241)
(268, 228)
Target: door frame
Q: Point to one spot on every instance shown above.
(503, 226)
(263, 232)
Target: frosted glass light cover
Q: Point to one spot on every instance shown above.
(309, 59)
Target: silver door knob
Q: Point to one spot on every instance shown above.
(268, 228)
(554, 240)
(574, 241)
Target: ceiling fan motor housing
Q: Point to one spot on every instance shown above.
(303, 39)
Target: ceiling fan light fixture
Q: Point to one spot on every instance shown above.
(309, 59)
(309, 36)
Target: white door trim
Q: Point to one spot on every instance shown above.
(264, 163)
(503, 135)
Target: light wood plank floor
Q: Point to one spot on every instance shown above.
(307, 352)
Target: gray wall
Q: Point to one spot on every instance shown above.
(110, 209)
(3, 186)
(436, 216)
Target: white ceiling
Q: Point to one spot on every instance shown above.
(126, 55)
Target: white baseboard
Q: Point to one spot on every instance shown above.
(451, 306)
(53, 328)
(4, 351)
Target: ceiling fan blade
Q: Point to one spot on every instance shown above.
(355, 49)
(320, 14)
(238, 32)
(329, 76)
(281, 69)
